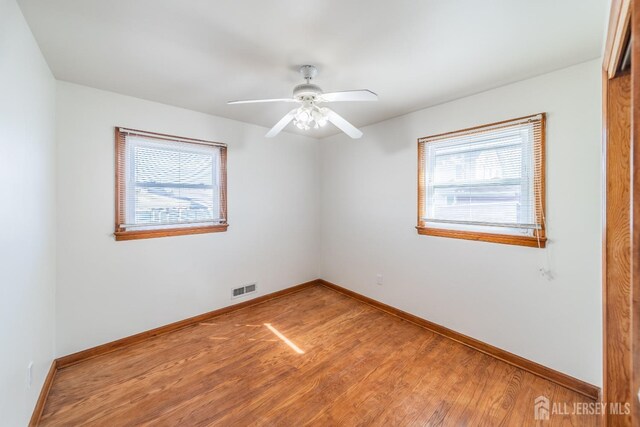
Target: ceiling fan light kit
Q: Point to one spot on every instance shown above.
(310, 115)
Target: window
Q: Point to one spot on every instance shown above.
(484, 183)
(167, 186)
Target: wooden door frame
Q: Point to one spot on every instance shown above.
(622, 380)
(635, 210)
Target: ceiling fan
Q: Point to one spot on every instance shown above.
(310, 114)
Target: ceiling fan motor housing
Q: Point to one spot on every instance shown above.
(306, 90)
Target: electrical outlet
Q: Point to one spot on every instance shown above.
(29, 375)
(379, 279)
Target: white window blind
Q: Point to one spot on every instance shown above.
(170, 183)
(487, 179)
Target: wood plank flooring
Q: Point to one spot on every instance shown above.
(315, 357)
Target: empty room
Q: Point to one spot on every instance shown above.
(329, 213)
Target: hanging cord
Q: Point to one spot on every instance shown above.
(540, 214)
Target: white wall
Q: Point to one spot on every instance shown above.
(27, 215)
(107, 289)
(282, 231)
(489, 291)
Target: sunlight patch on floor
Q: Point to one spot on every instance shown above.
(283, 338)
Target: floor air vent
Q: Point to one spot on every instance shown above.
(243, 290)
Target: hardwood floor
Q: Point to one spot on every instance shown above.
(315, 357)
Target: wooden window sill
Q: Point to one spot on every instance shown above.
(529, 241)
(150, 234)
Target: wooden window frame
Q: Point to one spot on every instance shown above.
(120, 232)
(538, 240)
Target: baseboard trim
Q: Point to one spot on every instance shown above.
(579, 386)
(44, 393)
(552, 375)
(80, 356)
(72, 359)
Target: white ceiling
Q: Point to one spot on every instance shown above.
(198, 54)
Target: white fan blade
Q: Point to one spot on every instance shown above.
(255, 101)
(343, 125)
(350, 95)
(281, 124)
